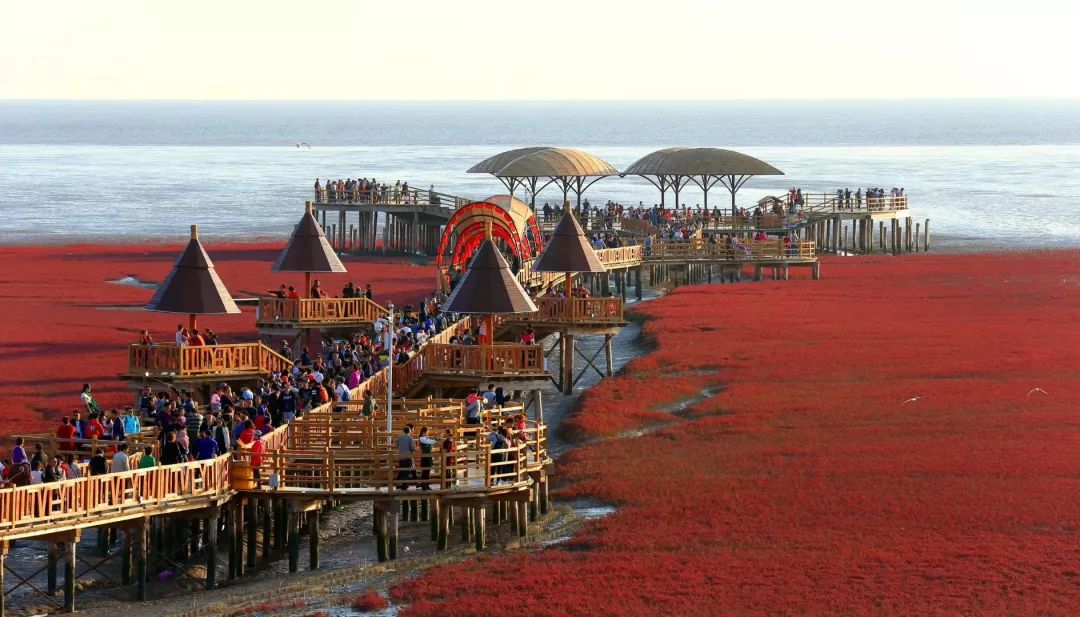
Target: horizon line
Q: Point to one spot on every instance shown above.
(1015, 98)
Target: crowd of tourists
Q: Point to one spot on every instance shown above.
(184, 430)
(503, 435)
(364, 190)
(845, 199)
(350, 290)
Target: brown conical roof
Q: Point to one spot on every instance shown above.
(488, 287)
(193, 286)
(308, 249)
(568, 250)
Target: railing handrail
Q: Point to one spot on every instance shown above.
(191, 359)
(299, 310)
(415, 196)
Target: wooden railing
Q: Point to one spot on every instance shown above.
(391, 196)
(88, 500)
(366, 470)
(620, 257)
(483, 360)
(81, 447)
(188, 361)
(746, 250)
(318, 310)
(821, 203)
(578, 310)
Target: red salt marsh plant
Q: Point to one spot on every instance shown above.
(57, 335)
(898, 438)
(369, 601)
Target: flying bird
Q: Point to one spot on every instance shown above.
(1034, 390)
(911, 400)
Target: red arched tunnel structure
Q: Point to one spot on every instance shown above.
(512, 223)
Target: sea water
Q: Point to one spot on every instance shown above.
(985, 172)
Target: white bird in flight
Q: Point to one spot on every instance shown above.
(911, 400)
(1034, 390)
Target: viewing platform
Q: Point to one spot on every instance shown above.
(447, 368)
(286, 315)
(203, 362)
(410, 220)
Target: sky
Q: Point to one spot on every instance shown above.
(550, 50)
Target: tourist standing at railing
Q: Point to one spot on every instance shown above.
(406, 449)
(98, 466)
(427, 446)
(205, 447)
(39, 458)
(489, 396)
(37, 476)
(502, 463)
(147, 460)
(65, 433)
(289, 403)
(93, 429)
(120, 459)
(116, 426)
(132, 424)
(145, 338)
(18, 453)
(78, 424)
(71, 468)
(218, 432)
(528, 337)
(54, 472)
(171, 451)
(184, 441)
(181, 335)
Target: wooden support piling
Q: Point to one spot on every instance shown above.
(294, 541)
(313, 540)
(442, 540)
(211, 551)
(267, 525)
(392, 550)
(69, 576)
(142, 555)
(480, 528)
(252, 530)
(51, 565)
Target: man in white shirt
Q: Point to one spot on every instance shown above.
(120, 459)
(343, 393)
(181, 335)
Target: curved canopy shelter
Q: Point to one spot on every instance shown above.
(193, 287)
(308, 251)
(511, 220)
(569, 169)
(568, 250)
(672, 168)
(493, 164)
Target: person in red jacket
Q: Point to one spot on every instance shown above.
(94, 428)
(66, 432)
(247, 435)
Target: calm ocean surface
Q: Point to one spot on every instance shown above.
(1007, 172)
